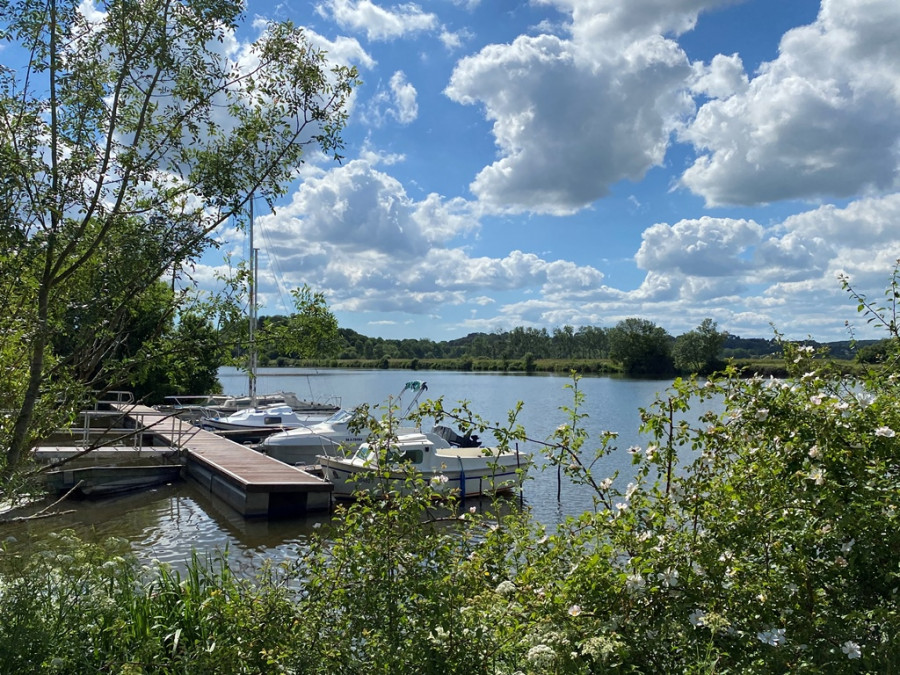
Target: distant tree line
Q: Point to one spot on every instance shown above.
(638, 346)
(634, 346)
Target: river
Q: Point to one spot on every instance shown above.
(169, 522)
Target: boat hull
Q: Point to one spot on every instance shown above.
(306, 454)
(348, 479)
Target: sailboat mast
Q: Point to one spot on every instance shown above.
(254, 262)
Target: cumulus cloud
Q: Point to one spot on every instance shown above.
(823, 119)
(355, 233)
(624, 20)
(378, 23)
(706, 247)
(723, 78)
(568, 120)
(783, 274)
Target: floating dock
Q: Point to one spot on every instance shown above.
(255, 485)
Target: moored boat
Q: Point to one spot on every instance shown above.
(449, 469)
(195, 408)
(338, 435)
(274, 417)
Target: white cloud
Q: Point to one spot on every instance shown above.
(724, 77)
(703, 247)
(404, 94)
(454, 39)
(823, 119)
(570, 120)
(341, 50)
(397, 102)
(614, 19)
(356, 234)
(377, 22)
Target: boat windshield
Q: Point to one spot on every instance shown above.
(394, 456)
(340, 416)
(413, 456)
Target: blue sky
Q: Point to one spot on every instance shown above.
(513, 163)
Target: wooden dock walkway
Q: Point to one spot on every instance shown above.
(252, 483)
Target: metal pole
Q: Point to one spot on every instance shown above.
(252, 313)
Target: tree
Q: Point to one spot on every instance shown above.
(311, 332)
(642, 347)
(128, 134)
(699, 351)
(186, 359)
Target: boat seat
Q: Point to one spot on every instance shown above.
(467, 441)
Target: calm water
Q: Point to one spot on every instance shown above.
(167, 523)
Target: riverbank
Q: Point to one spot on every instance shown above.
(764, 367)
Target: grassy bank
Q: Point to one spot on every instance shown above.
(764, 367)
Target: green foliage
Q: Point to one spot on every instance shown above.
(71, 607)
(185, 359)
(642, 347)
(128, 138)
(699, 351)
(878, 352)
(310, 332)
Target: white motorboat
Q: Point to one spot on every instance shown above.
(335, 436)
(273, 417)
(450, 470)
(195, 408)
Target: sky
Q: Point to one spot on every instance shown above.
(578, 162)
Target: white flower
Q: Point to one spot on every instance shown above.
(865, 398)
(438, 636)
(439, 478)
(847, 545)
(630, 490)
(574, 610)
(762, 414)
(622, 506)
(505, 587)
(886, 432)
(814, 451)
(696, 618)
(541, 655)
(815, 400)
(773, 637)
(851, 649)
(606, 483)
(634, 583)
(817, 475)
(669, 577)
(634, 449)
